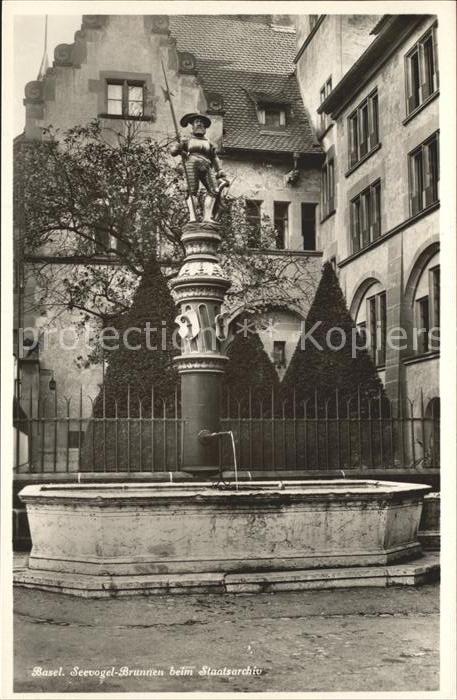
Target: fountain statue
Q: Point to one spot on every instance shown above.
(199, 289)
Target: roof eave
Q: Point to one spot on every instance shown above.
(318, 154)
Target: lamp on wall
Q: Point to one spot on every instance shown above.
(52, 383)
(293, 176)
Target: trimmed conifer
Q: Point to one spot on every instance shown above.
(334, 358)
(250, 375)
(142, 358)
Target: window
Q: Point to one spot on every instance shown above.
(253, 219)
(75, 439)
(272, 115)
(362, 331)
(435, 296)
(427, 309)
(377, 321)
(422, 70)
(366, 217)
(125, 98)
(279, 353)
(281, 219)
(327, 188)
(308, 226)
(325, 91)
(423, 323)
(424, 174)
(363, 129)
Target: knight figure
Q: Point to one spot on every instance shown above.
(202, 165)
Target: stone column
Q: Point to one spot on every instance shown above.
(199, 289)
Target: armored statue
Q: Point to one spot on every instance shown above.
(202, 166)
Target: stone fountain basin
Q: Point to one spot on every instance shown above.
(158, 528)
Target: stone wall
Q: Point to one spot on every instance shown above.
(397, 260)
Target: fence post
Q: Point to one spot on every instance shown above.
(338, 435)
(55, 431)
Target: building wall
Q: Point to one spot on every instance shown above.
(349, 36)
(389, 261)
(338, 42)
(264, 180)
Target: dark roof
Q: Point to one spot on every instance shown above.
(239, 59)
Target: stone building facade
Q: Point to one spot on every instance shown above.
(238, 70)
(374, 104)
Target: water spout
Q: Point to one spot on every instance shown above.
(205, 435)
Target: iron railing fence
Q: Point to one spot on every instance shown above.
(273, 433)
(332, 433)
(60, 434)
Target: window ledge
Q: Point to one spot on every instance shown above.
(279, 131)
(286, 252)
(408, 222)
(418, 109)
(142, 118)
(422, 357)
(363, 159)
(328, 215)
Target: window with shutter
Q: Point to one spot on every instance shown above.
(363, 129)
(381, 329)
(423, 323)
(366, 217)
(434, 286)
(376, 212)
(373, 122)
(324, 93)
(377, 327)
(421, 70)
(355, 225)
(331, 186)
(416, 182)
(424, 175)
(328, 188)
(324, 192)
(323, 114)
(353, 141)
(372, 326)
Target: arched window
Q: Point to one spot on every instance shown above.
(426, 308)
(371, 321)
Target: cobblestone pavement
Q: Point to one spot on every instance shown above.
(366, 639)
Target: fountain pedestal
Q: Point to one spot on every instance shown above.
(199, 290)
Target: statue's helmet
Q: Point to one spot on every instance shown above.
(190, 118)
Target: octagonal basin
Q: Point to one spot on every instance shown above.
(156, 528)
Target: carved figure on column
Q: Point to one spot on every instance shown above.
(202, 166)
